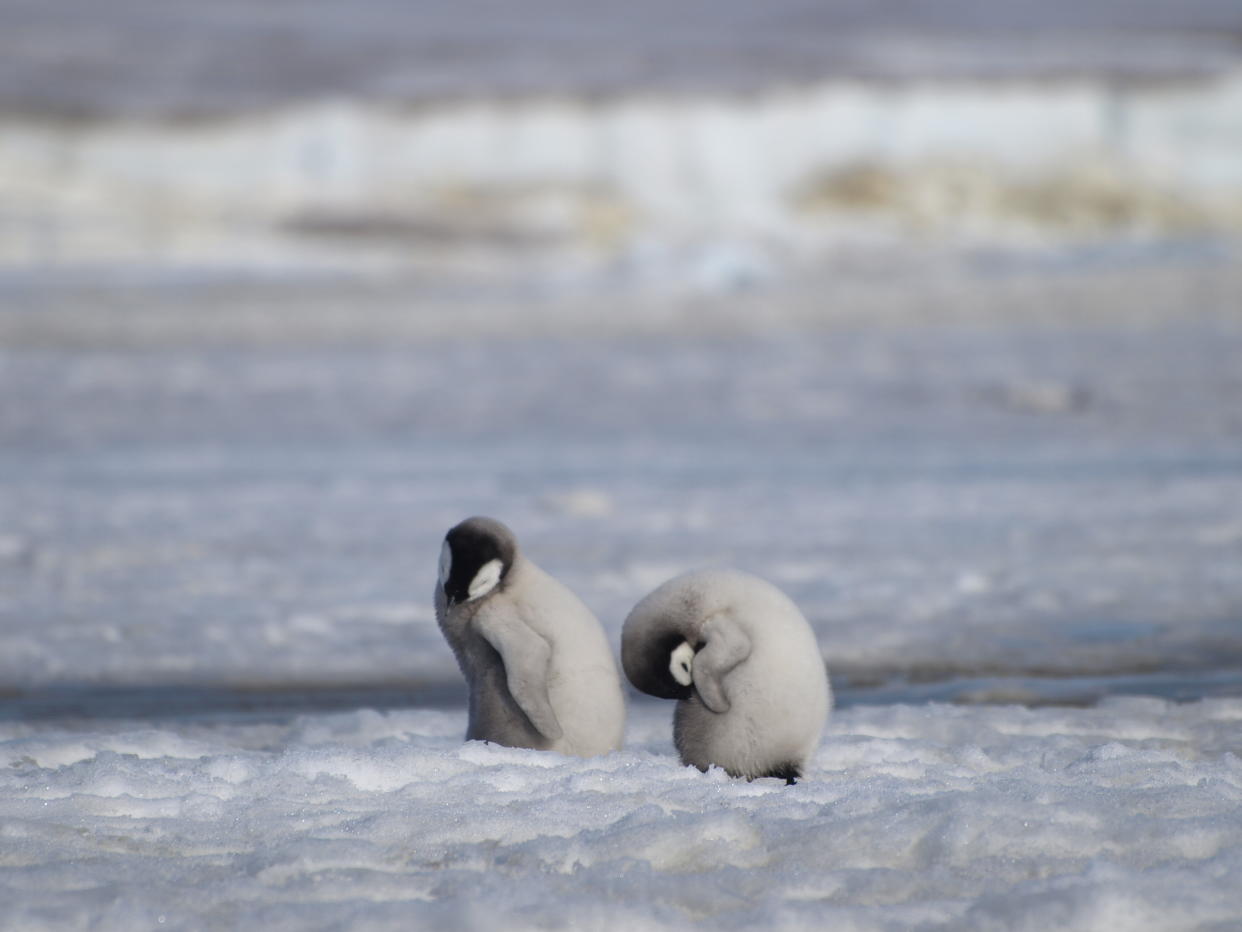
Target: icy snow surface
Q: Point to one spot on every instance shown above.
(1124, 816)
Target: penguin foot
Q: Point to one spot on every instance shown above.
(790, 773)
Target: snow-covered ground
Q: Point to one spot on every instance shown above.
(1124, 816)
(998, 472)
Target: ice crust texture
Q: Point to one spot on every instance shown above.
(1128, 815)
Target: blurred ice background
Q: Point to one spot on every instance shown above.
(557, 145)
(930, 313)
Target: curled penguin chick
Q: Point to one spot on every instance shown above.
(744, 666)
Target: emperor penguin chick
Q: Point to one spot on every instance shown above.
(538, 665)
(744, 665)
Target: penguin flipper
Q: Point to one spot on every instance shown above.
(726, 645)
(525, 655)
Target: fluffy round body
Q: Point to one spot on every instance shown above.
(537, 663)
(744, 665)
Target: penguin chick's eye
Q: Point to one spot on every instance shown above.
(446, 562)
(485, 580)
(679, 663)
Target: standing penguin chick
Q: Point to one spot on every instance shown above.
(743, 663)
(538, 665)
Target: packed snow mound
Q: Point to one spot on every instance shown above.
(1122, 816)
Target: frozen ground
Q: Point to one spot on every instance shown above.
(986, 470)
(1124, 816)
(986, 477)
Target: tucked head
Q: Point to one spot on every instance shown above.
(681, 663)
(475, 559)
(660, 664)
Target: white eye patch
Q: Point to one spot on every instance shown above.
(446, 562)
(680, 663)
(485, 580)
